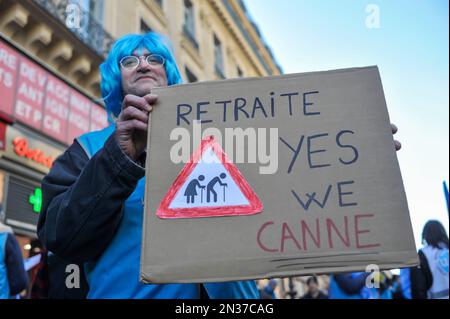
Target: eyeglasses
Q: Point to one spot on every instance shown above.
(132, 61)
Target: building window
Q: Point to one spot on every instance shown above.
(85, 19)
(90, 13)
(96, 9)
(191, 78)
(144, 27)
(218, 57)
(189, 22)
(159, 2)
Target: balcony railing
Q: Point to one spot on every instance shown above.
(81, 22)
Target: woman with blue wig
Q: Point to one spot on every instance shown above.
(92, 210)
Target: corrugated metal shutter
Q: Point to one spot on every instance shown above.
(19, 212)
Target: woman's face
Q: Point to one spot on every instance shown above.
(142, 79)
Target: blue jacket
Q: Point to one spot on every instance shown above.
(93, 214)
(4, 285)
(13, 277)
(405, 282)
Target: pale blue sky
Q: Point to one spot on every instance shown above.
(410, 48)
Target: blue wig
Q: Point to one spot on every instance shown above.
(111, 83)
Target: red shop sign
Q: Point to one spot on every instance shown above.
(36, 155)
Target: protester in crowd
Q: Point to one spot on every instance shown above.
(39, 278)
(313, 289)
(268, 292)
(431, 280)
(396, 288)
(92, 210)
(413, 283)
(13, 277)
(4, 228)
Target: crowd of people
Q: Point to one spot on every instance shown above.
(429, 280)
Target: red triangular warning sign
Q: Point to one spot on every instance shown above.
(210, 185)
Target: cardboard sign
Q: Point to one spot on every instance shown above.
(316, 151)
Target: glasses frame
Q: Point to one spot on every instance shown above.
(139, 61)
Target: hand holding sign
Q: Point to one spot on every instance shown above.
(132, 124)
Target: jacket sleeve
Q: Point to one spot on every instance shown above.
(17, 276)
(83, 200)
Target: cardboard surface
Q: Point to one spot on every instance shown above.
(333, 198)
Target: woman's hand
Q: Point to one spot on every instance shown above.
(132, 124)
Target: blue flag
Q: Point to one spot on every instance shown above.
(446, 195)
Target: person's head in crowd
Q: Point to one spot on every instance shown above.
(135, 65)
(272, 284)
(434, 234)
(385, 280)
(313, 284)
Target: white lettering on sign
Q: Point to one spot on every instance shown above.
(52, 124)
(57, 108)
(31, 93)
(99, 118)
(7, 59)
(79, 121)
(27, 72)
(37, 116)
(79, 104)
(99, 115)
(23, 109)
(32, 74)
(58, 90)
(6, 78)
